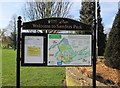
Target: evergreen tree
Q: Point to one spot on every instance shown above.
(101, 36)
(86, 14)
(112, 51)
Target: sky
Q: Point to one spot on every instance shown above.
(108, 13)
(10, 7)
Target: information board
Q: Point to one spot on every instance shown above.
(73, 50)
(33, 49)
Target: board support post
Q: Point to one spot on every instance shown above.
(18, 52)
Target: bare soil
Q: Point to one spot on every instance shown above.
(105, 74)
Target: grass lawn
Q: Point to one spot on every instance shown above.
(30, 76)
(0, 67)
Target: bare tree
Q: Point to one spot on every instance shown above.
(3, 39)
(12, 26)
(46, 9)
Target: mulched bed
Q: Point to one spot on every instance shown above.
(109, 74)
(105, 74)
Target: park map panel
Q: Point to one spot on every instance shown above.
(66, 49)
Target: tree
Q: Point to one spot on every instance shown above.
(86, 16)
(45, 9)
(112, 51)
(3, 36)
(13, 27)
(101, 36)
(86, 13)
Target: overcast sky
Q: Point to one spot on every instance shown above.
(8, 8)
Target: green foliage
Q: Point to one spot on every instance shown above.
(101, 43)
(86, 14)
(112, 51)
(101, 35)
(30, 76)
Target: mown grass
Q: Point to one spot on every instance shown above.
(0, 67)
(8, 67)
(30, 76)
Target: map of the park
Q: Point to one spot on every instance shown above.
(65, 49)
